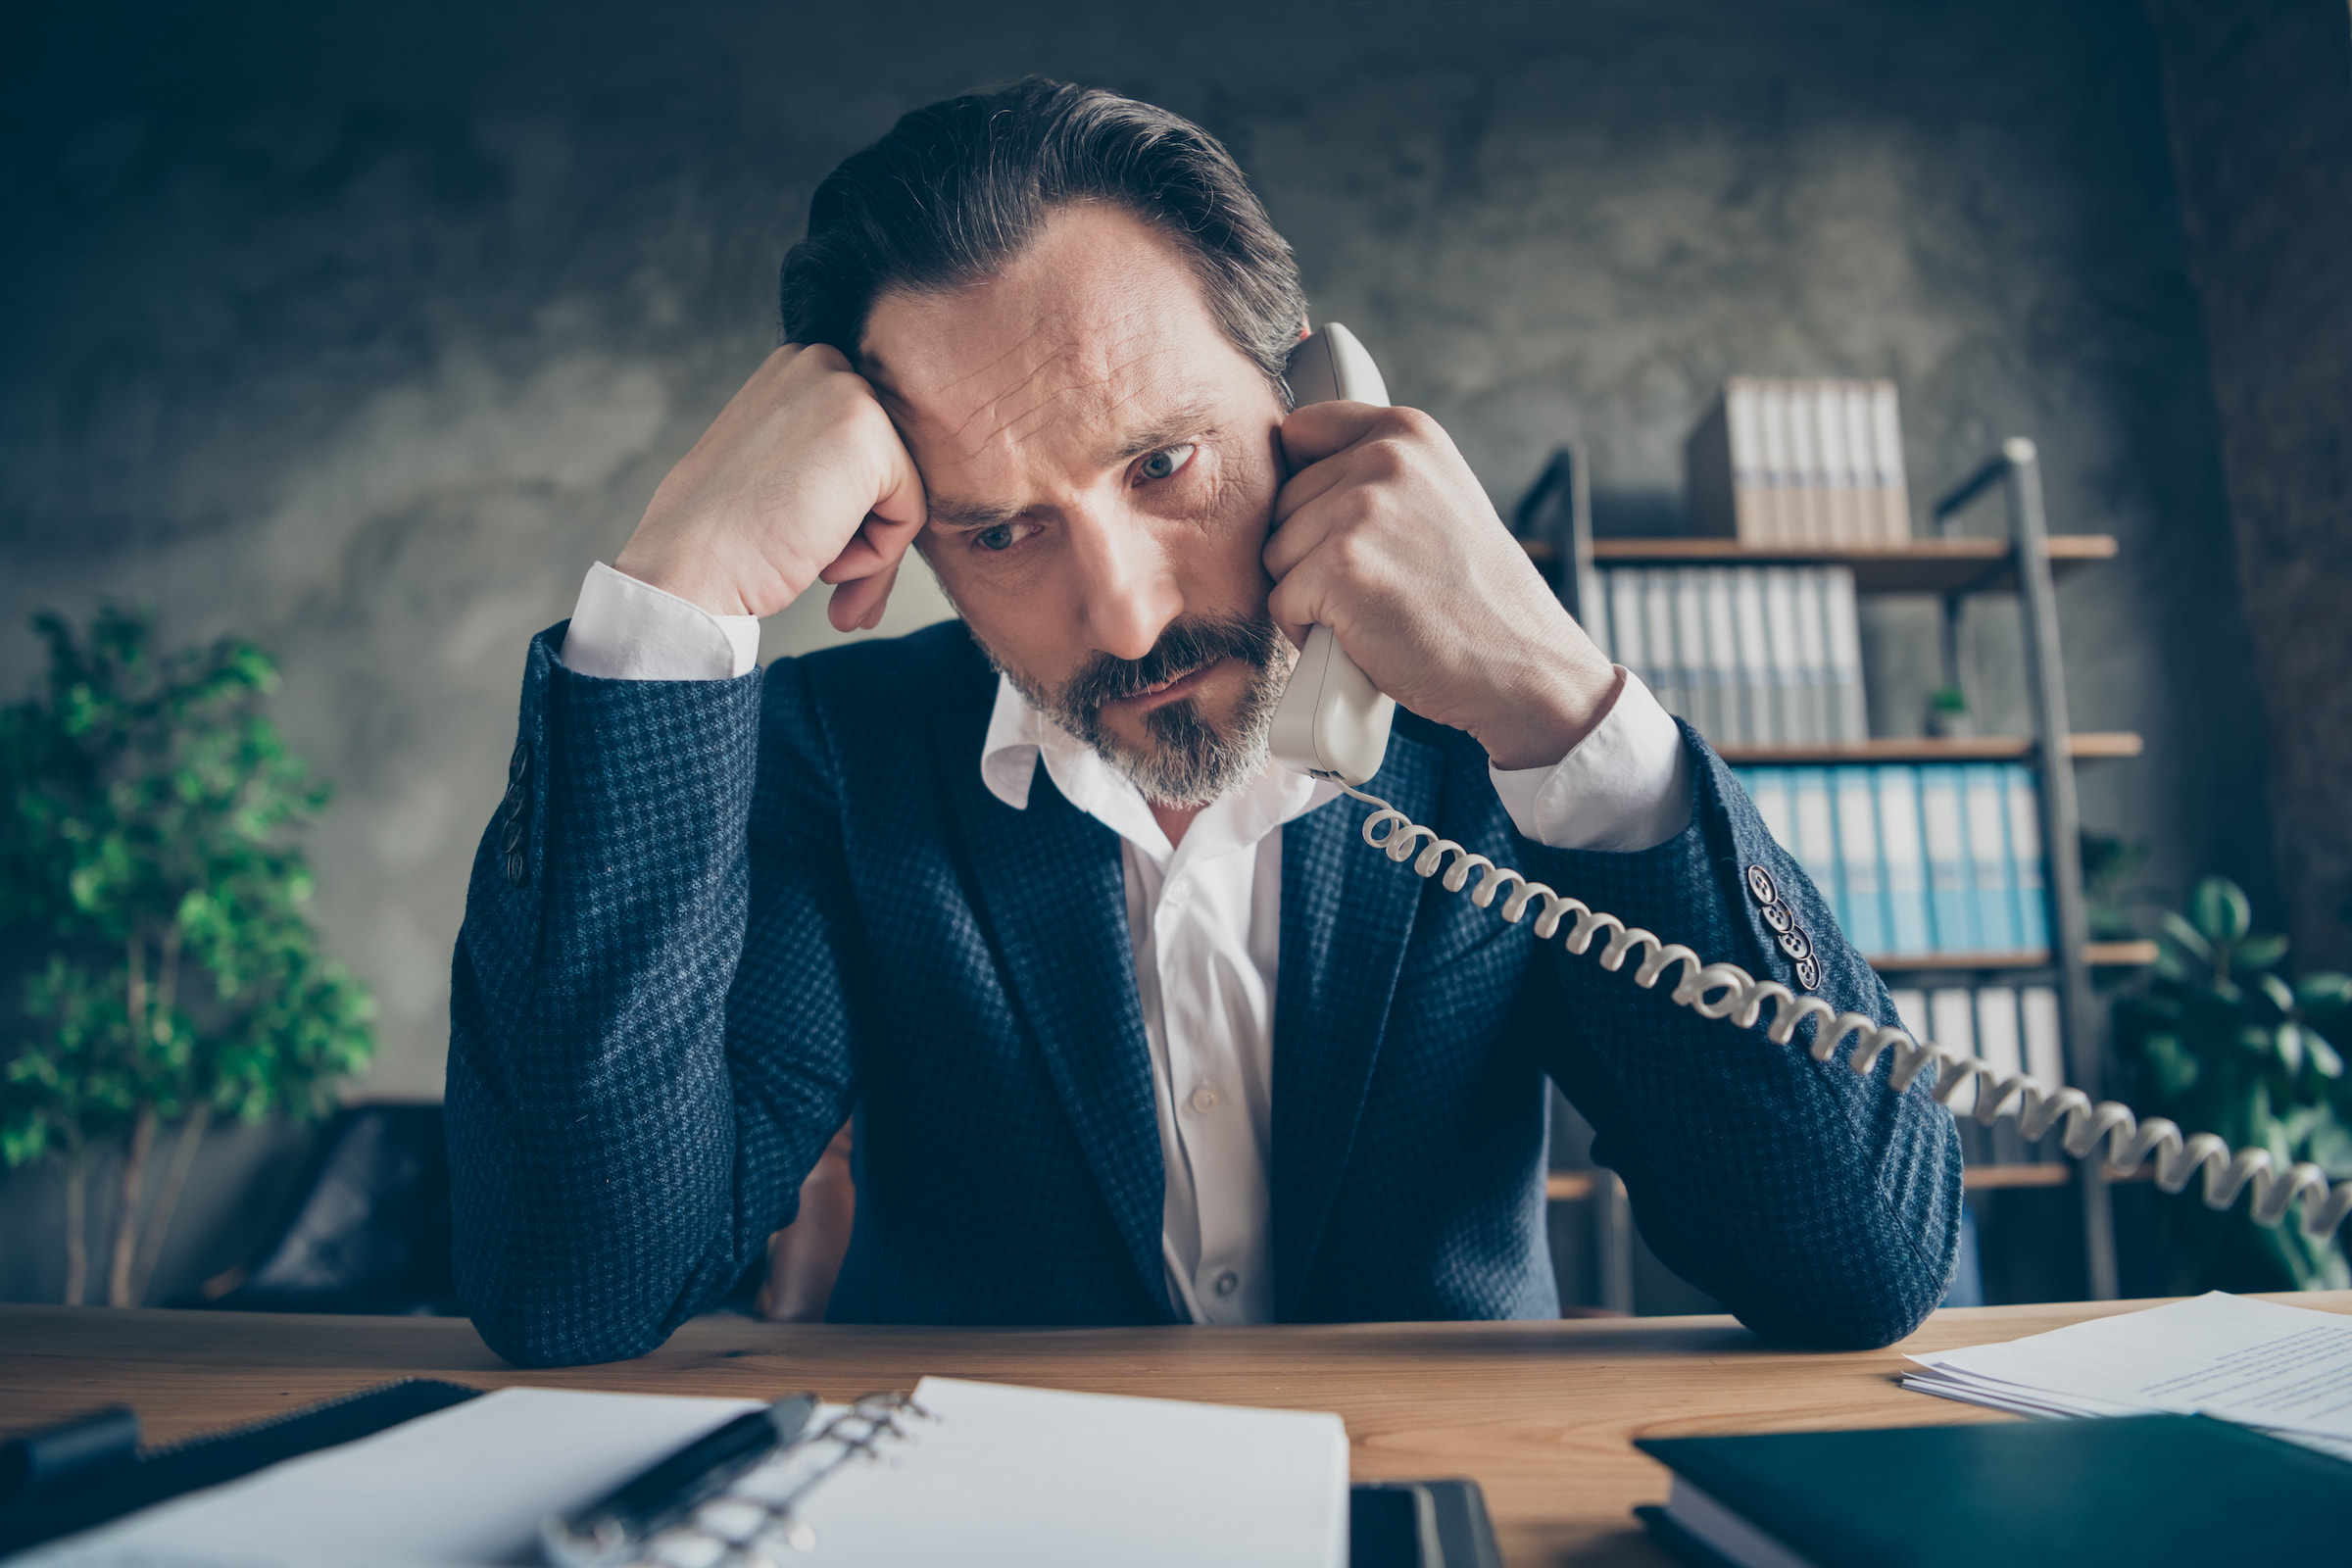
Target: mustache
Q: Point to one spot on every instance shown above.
(1189, 644)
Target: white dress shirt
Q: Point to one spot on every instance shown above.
(1203, 915)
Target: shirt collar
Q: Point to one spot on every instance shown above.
(1019, 737)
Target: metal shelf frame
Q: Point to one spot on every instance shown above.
(1555, 521)
(2016, 472)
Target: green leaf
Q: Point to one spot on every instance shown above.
(2176, 1070)
(2275, 989)
(2259, 952)
(2219, 911)
(2323, 1057)
(2323, 993)
(2188, 936)
(2288, 1041)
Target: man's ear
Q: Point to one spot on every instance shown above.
(1304, 331)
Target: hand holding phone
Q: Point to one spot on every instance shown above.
(1395, 576)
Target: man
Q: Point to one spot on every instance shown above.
(1134, 1026)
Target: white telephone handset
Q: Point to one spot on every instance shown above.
(1334, 723)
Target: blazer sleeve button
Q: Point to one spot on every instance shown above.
(1776, 916)
(1759, 886)
(1808, 973)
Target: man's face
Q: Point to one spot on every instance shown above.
(1100, 464)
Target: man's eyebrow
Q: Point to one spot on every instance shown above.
(955, 516)
(1186, 418)
(951, 515)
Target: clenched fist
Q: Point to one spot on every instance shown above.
(800, 480)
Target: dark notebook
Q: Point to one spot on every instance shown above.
(2007, 1495)
(108, 1491)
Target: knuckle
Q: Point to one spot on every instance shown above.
(1408, 422)
(1387, 461)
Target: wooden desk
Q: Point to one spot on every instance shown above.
(1540, 1414)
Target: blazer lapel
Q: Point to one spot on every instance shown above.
(1050, 881)
(1347, 912)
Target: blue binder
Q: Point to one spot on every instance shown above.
(1910, 927)
(2024, 850)
(1951, 898)
(1993, 869)
(1861, 861)
(1815, 811)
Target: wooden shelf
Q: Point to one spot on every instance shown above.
(1573, 1186)
(1996, 1178)
(2099, 955)
(2081, 746)
(1922, 567)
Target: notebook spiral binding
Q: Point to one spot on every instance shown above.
(753, 1523)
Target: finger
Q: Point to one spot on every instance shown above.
(877, 546)
(860, 604)
(873, 617)
(1296, 603)
(1306, 516)
(1305, 484)
(899, 496)
(1316, 430)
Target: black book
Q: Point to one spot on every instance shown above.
(2017, 1494)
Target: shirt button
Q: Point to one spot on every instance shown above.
(1227, 1283)
(1204, 1099)
(1179, 891)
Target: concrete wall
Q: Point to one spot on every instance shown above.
(2262, 112)
(363, 330)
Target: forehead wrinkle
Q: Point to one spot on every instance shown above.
(1119, 389)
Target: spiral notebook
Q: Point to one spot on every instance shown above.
(992, 1475)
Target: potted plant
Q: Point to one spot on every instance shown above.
(149, 874)
(2220, 1042)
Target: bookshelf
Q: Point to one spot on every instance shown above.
(2027, 560)
(1942, 566)
(2083, 747)
(1580, 1186)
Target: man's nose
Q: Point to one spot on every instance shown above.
(1127, 595)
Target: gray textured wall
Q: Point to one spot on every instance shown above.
(2262, 115)
(364, 333)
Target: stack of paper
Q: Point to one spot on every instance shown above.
(2286, 1371)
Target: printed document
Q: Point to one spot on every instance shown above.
(2284, 1369)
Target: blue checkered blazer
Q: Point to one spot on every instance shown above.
(712, 917)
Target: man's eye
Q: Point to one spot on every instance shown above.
(1166, 461)
(1004, 536)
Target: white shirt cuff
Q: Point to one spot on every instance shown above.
(623, 629)
(1625, 787)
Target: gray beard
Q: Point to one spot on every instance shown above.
(1187, 761)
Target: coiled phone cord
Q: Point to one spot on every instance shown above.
(1726, 991)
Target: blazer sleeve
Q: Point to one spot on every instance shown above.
(1817, 1205)
(608, 1177)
